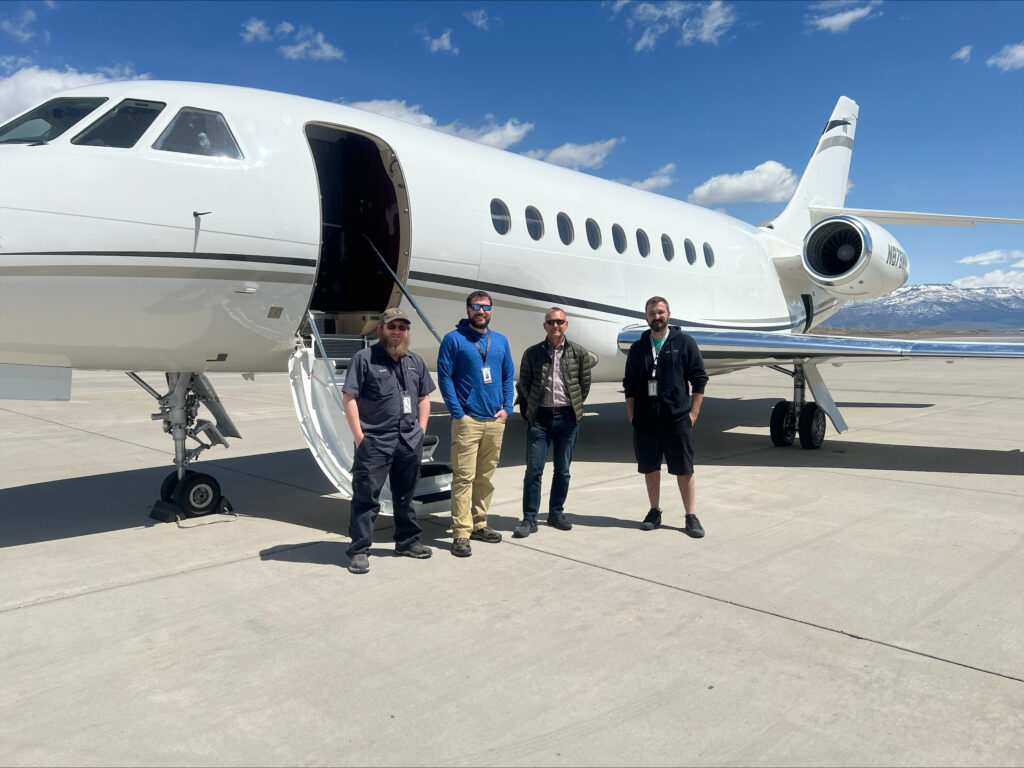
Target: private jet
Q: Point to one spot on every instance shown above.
(188, 229)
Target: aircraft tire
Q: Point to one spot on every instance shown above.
(812, 426)
(783, 424)
(167, 487)
(197, 494)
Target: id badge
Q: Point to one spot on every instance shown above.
(652, 388)
(486, 373)
(406, 404)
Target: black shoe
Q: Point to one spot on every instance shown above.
(417, 550)
(557, 520)
(693, 529)
(489, 535)
(461, 548)
(652, 521)
(524, 529)
(359, 564)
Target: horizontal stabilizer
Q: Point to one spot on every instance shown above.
(908, 217)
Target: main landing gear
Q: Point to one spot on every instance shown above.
(185, 492)
(797, 417)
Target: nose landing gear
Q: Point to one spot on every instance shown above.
(185, 493)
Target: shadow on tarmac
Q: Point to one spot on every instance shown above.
(289, 486)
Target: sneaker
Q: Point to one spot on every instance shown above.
(524, 529)
(489, 535)
(461, 548)
(693, 528)
(652, 521)
(359, 564)
(417, 550)
(557, 520)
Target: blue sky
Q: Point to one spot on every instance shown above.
(719, 103)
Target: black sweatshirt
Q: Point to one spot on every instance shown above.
(680, 367)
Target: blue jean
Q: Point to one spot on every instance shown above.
(557, 426)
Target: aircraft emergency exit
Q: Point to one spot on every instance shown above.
(188, 228)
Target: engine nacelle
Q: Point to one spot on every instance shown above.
(853, 258)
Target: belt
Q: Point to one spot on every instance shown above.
(560, 409)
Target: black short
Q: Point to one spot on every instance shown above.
(669, 442)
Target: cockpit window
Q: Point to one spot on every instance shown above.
(199, 132)
(47, 122)
(122, 126)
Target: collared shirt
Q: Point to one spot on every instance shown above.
(555, 395)
(378, 383)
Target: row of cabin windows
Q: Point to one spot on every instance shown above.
(192, 131)
(502, 220)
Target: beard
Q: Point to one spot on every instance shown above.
(657, 324)
(395, 350)
(480, 323)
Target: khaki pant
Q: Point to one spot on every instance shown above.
(475, 449)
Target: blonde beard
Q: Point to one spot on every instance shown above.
(395, 350)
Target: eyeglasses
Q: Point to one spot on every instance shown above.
(397, 326)
(555, 322)
(480, 307)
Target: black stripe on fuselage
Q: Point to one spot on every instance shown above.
(284, 260)
(569, 301)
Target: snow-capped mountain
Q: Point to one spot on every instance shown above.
(936, 307)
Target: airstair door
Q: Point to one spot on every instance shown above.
(316, 392)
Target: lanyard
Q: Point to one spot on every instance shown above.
(654, 354)
(484, 352)
(400, 372)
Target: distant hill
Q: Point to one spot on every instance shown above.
(936, 307)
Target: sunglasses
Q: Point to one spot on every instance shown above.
(555, 322)
(397, 326)
(480, 307)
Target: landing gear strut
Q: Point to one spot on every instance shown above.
(798, 416)
(184, 492)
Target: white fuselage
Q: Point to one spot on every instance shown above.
(104, 263)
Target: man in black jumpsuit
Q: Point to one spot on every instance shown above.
(387, 406)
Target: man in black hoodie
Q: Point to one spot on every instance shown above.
(662, 367)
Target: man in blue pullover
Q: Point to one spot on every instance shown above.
(475, 374)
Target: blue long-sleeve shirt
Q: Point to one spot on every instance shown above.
(460, 363)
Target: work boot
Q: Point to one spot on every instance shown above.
(524, 529)
(652, 521)
(417, 550)
(693, 528)
(486, 534)
(359, 564)
(461, 548)
(557, 520)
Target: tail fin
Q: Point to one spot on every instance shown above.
(825, 178)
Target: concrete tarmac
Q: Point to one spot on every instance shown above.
(855, 605)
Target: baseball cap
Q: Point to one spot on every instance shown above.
(394, 313)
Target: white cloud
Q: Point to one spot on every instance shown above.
(577, 156)
(1009, 57)
(963, 53)
(478, 19)
(19, 28)
(660, 179)
(695, 22)
(310, 44)
(435, 44)
(996, 279)
(255, 29)
(770, 182)
(31, 85)
(993, 257)
(491, 133)
(835, 20)
(306, 43)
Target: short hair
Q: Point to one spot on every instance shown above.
(656, 300)
(478, 295)
(549, 310)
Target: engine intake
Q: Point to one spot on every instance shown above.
(853, 258)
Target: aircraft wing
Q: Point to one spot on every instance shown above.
(730, 350)
(889, 218)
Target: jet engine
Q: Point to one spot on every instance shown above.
(853, 258)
